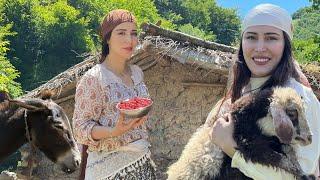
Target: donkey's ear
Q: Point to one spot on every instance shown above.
(46, 94)
(282, 123)
(24, 105)
(3, 96)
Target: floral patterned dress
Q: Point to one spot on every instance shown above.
(123, 157)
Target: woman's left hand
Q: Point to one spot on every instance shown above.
(222, 134)
(139, 121)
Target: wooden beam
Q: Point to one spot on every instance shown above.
(155, 30)
(64, 99)
(217, 85)
(153, 63)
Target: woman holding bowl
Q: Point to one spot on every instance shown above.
(117, 146)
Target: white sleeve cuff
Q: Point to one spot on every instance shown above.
(257, 171)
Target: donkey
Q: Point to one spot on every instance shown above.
(43, 124)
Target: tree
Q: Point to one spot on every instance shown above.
(306, 23)
(197, 13)
(223, 23)
(307, 51)
(48, 35)
(195, 31)
(63, 34)
(170, 9)
(93, 12)
(8, 73)
(23, 45)
(307, 35)
(315, 3)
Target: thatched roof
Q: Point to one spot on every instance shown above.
(161, 43)
(312, 71)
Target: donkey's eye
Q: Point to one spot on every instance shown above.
(56, 116)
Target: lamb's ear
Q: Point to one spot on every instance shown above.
(282, 123)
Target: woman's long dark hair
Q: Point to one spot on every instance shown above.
(104, 47)
(284, 70)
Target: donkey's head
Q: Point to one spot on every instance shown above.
(51, 132)
(288, 113)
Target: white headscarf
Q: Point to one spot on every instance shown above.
(271, 15)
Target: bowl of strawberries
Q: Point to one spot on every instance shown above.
(135, 107)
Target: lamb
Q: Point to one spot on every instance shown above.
(276, 119)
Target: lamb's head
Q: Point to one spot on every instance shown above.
(289, 120)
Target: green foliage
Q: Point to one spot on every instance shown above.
(8, 73)
(48, 35)
(306, 51)
(315, 3)
(225, 24)
(197, 13)
(170, 9)
(23, 44)
(195, 31)
(93, 11)
(62, 35)
(306, 23)
(307, 34)
(204, 15)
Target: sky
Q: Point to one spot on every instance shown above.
(243, 6)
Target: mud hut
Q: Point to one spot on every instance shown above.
(185, 75)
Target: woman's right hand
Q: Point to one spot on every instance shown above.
(122, 127)
(222, 134)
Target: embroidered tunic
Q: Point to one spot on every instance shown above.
(97, 94)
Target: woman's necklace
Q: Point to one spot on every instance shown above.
(124, 76)
(119, 74)
(251, 90)
(256, 82)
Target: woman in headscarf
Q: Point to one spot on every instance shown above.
(118, 147)
(265, 60)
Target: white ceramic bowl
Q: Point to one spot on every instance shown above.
(135, 113)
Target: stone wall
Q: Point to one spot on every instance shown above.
(183, 96)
